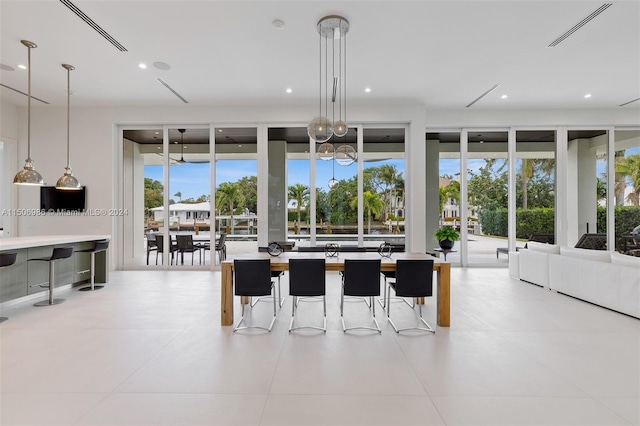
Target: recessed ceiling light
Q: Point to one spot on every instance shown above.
(239, 146)
(504, 97)
(289, 90)
(142, 65)
(587, 96)
(162, 66)
(219, 130)
(278, 24)
(157, 133)
(367, 90)
(159, 147)
(22, 67)
(481, 141)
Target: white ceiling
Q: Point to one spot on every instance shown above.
(443, 54)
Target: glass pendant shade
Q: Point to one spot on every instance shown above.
(320, 129)
(28, 175)
(345, 155)
(332, 182)
(325, 152)
(67, 181)
(340, 128)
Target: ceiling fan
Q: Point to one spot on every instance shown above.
(182, 160)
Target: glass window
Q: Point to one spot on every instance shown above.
(626, 190)
(236, 196)
(535, 184)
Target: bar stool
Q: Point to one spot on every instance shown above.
(59, 253)
(7, 259)
(98, 247)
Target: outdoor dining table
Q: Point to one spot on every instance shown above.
(281, 263)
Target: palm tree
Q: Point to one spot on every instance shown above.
(629, 168)
(526, 172)
(229, 194)
(299, 193)
(179, 195)
(373, 204)
(388, 174)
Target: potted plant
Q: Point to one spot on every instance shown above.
(446, 236)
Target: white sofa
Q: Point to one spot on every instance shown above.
(607, 279)
(534, 262)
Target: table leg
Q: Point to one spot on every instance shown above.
(444, 294)
(227, 294)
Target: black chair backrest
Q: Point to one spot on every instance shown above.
(220, 242)
(8, 258)
(101, 245)
(414, 278)
(151, 239)
(362, 277)
(160, 243)
(307, 277)
(592, 242)
(543, 238)
(184, 242)
(61, 253)
(252, 277)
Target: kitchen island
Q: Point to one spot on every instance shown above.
(25, 278)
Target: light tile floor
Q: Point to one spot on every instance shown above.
(148, 350)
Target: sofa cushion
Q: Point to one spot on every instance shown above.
(599, 255)
(626, 260)
(545, 248)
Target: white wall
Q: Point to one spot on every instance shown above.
(8, 168)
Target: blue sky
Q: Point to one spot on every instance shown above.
(192, 180)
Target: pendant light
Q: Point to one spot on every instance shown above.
(67, 181)
(333, 181)
(325, 151)
(28, 175)
(333, 29)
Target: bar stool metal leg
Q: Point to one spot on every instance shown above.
(51, 300)
(93, 275)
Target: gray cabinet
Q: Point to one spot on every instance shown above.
(82, 263)
(13, 279)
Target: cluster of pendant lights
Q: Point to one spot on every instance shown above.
(333, 29)
(28, 175)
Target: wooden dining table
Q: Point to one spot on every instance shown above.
(281, 263)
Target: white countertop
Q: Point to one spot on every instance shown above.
(15, 243)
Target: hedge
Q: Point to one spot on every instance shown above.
(541, 220)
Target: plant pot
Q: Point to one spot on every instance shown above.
(446, 244)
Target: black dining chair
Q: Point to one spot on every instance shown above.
(152, 245)
(414, 278)
(253, 278)
(173, 248)
(307, 279)
(221, 247)
(361, 278)
(184, 244)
